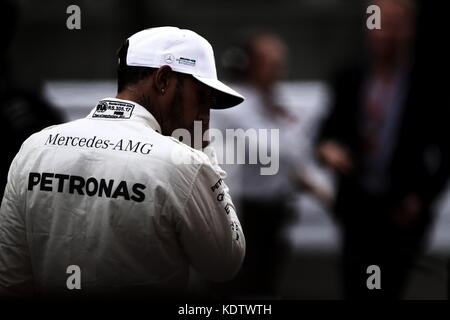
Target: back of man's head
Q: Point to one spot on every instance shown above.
(129, 75)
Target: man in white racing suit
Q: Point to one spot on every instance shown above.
(111, 203)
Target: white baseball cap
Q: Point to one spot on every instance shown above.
(184, 51)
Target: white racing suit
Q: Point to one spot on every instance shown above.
(127, 206)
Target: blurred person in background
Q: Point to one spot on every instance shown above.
(265, 201)
(385, 139)
(22, 111)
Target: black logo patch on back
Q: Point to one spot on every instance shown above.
(113, 110)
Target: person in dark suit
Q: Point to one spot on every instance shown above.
(385, 139)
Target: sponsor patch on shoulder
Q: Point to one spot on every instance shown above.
(113, 110)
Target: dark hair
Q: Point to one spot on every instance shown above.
(128, 75)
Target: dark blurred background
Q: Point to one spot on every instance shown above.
(321, 34)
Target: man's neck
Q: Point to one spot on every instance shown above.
(141, 99)
(133, 96)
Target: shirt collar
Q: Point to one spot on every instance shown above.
(137, 113)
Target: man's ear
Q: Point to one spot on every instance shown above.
(162, 78)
